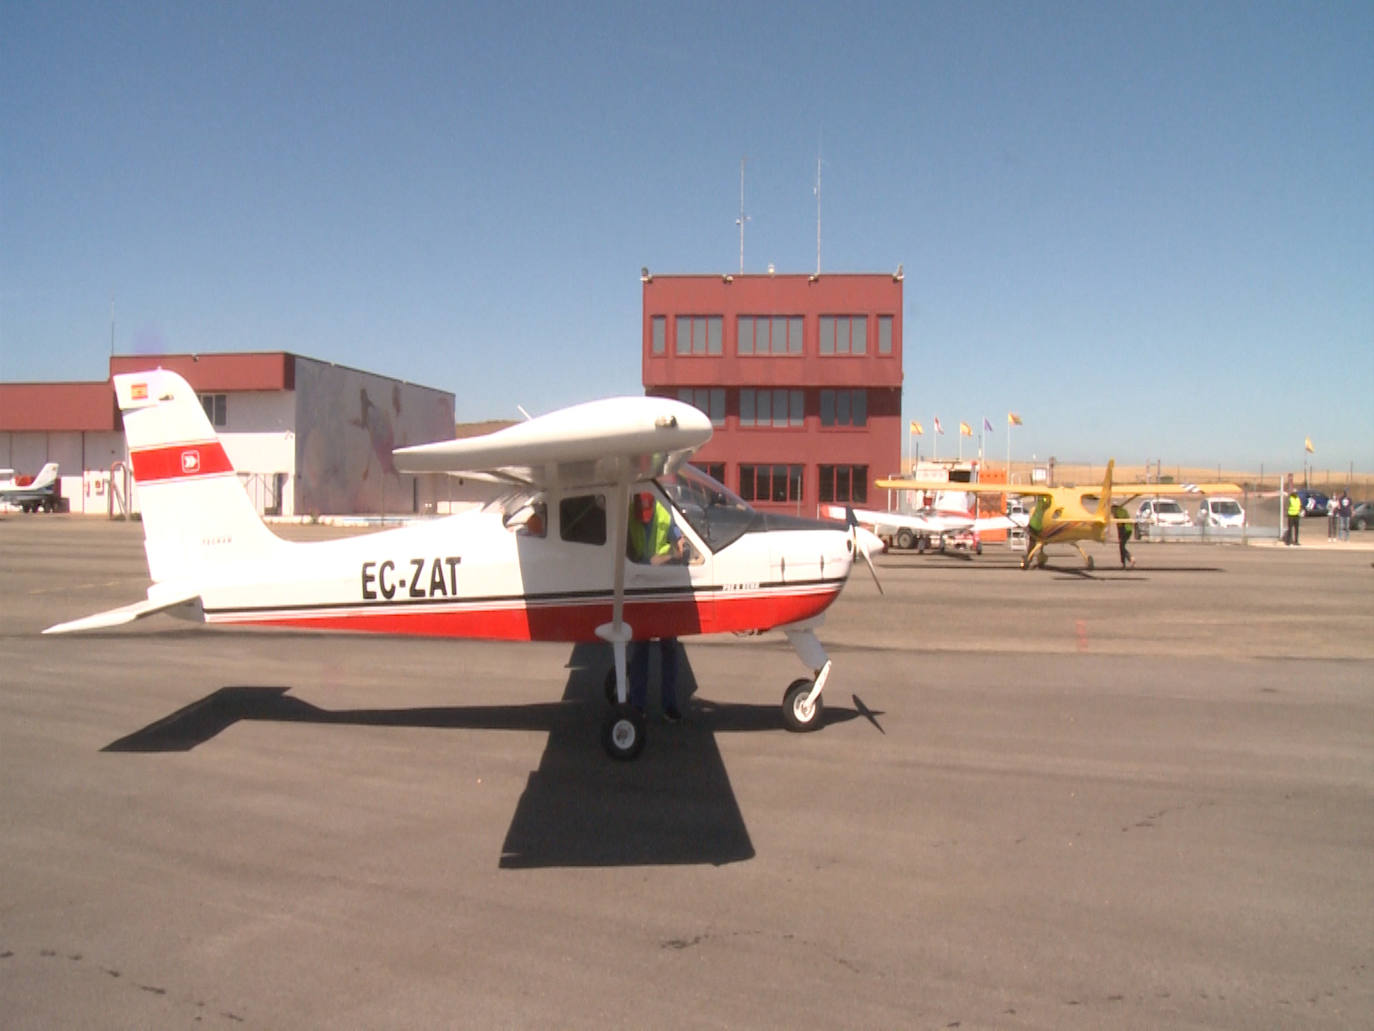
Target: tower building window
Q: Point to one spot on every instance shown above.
(844, 334)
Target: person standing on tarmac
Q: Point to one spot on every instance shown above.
(1035, 549)
(1123, 533)
(655, 540)
(1294, 517)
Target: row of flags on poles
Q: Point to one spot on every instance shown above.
(965, 430)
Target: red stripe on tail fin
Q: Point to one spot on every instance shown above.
(180, 461)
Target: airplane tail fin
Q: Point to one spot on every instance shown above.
(46, 476)
(195, 511)
(1104, 504)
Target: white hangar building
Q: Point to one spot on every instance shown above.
(307, 437)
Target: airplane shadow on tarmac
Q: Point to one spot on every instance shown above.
(673, 805)
(1114, 573)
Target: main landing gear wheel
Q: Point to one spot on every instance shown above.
(905, 539)
(797, 715)
(622, 735)
(1090, 561)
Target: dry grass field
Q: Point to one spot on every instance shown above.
(1328, 480)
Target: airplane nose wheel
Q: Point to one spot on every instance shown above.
(797, 715)
(622, 735)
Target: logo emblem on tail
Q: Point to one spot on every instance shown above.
(190, 461)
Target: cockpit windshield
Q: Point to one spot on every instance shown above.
(716, 513)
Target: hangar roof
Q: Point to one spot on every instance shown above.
(249, 370)
(57, 407)
(81, 406)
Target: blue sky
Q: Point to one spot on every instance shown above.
(1148, 228)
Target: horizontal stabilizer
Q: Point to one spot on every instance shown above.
(184, 606)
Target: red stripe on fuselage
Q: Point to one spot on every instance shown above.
(572, 622)
(180, 462)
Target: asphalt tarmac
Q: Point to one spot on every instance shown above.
(1045, 799)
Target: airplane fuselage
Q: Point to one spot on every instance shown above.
(473, 576)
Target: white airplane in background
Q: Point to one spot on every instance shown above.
(905, 529)
(41, 493)
(547, 562)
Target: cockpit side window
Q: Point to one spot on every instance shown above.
(529, 520)
(582, 519)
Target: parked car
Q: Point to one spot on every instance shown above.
(1362, 516)
(1314, 502)
(1159, 512)
(1220, 512)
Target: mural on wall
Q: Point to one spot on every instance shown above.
(348, 422)
(378, 426)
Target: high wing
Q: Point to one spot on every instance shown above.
(598, 443)
(1124, 491)
(1127, 491)
(965, 488)
(934, 522)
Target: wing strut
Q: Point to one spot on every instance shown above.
(622, 735)
(617, 631)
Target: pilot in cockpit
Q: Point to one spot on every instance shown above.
(654, 538)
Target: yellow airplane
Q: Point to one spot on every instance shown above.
(1067, 515)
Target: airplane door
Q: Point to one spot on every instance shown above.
(669, 597)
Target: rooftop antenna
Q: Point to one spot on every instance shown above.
(818, 204)
(743, 218)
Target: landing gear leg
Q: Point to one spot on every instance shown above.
(622, 734)
(1087, 559)
(802, 709)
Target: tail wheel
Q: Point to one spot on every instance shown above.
(622, 735)
(797, 715)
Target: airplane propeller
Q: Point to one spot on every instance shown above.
(860, 537)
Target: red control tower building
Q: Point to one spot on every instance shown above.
(801, 376)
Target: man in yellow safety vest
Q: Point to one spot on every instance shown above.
(654, 539)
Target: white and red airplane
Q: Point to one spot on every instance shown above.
(928, 524)
(40, 492)
(546, 562)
